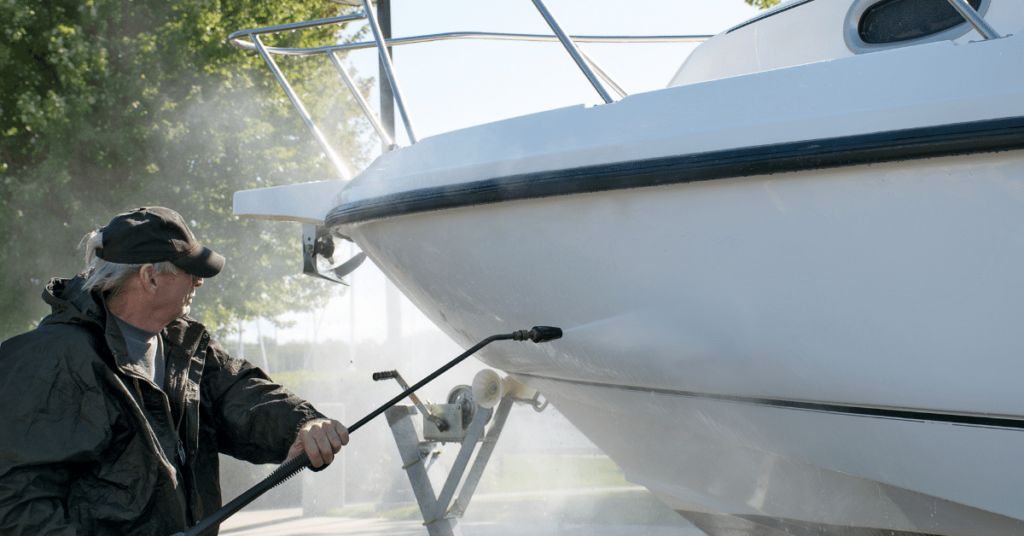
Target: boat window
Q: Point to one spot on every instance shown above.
(875, 25)
(893, 21)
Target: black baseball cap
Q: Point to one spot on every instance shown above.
(157, 234)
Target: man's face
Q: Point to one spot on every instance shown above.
(175, 293)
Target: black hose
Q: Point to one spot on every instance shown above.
(291, 467)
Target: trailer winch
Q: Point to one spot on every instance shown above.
(462, 420)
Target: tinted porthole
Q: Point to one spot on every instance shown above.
(893, 21)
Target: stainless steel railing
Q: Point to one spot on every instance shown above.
(389, 69)
(236, 38)
(972, 16)
(574, 51)
(598, 77)
(250, 40)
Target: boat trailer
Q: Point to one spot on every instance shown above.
(461, 420)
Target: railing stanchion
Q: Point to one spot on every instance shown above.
(972, 16)
(367, 111)
(573, 50)
(387, 96)
(339, 166)
(382, 49)
(604, 76)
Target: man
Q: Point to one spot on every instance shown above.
(113, 410)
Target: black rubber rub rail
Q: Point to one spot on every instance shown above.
(906, 414)
(893, 146)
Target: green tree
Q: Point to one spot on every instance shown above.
(763, 4)
(108, 105)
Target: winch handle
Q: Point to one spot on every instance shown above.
(291, 467)
(440, 423)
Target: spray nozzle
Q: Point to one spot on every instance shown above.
(538, 334)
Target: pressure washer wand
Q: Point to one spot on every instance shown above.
(291, 467)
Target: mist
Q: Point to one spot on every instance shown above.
(544, 474)
(544, 477)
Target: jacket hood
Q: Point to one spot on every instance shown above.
(70, 303)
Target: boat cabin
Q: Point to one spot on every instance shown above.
(799, 32)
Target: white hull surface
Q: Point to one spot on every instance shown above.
(792, 300)
(810, 347)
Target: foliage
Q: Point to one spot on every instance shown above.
(763, 4)
(106, 105)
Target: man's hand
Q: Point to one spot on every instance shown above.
(321, 439)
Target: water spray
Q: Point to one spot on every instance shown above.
(293, 466)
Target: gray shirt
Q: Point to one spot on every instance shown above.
(146, 350)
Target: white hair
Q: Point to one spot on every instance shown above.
(109, 276)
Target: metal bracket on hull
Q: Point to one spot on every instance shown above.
(440, 514)
(318, 242)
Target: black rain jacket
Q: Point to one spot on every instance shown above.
(90, 446)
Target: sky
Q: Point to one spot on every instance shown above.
(456, 84)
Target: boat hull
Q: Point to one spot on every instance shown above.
(836, 348)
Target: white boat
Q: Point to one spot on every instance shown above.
(792, 284)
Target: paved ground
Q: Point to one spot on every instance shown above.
(290, 522)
